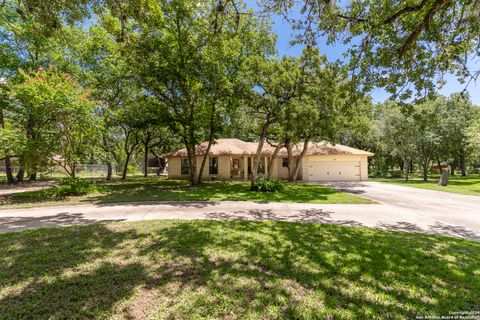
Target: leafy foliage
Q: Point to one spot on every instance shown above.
(75, 187)
(265, 185)
(58, 118)
(403, 46)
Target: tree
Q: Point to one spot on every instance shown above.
(27, 43)
(318, 112)
(295, 100)
(394, 44)
(273, 85)
(104, 68)
(10, 136)
(397, 128)
(59, 119)
(427, 134)
(186, 57)
(455, 119)
(473, 138)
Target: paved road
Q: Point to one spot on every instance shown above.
(399, 208)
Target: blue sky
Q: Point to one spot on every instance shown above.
(284, 33)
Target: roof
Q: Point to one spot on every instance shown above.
(232, 146)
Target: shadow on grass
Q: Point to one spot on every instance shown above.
(303, 216)
(137, 190)
(234, 269)
(16, 223)
(83, 296)
(181, 191)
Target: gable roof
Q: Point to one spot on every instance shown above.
(232, 146)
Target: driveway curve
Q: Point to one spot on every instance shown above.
(399, 208)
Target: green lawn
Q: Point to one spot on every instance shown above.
(234, 270)
(469, 185)
(159, 189)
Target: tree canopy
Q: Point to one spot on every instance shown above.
(403, 46)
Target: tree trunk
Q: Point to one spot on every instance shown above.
(145, 158)
(407, 168)
(128, 151)
(8, 164)
(288, 146)
(272, 159)
(109, 171)
(258, 154)
(20, 175)
(125, 167)
(32, 176)
(426, 162)
(300, 159)
(8, 170)
(210, 142)
(462, 164)
(452, 169)
(204, 162)
(192, 163)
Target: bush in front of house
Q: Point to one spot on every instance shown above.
(265, 185)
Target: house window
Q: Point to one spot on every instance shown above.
(285, 162)
(185, 166)
(213, 165)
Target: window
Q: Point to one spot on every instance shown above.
(285, 162)
(213, 165)
(185, 166)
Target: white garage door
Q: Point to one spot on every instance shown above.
(333, 170)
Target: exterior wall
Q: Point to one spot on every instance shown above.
(362, 159)
(223, 168)
(364, 168)
(175, 168)
(278, 172)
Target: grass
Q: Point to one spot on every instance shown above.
(159, 189)
(234, 270)
(469, 185)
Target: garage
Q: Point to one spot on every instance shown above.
(333, 170)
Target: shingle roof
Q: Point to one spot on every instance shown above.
(231, 146)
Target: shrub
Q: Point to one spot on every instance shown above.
(132, 169)
(75, 187)
(265, 185)
(395, 174)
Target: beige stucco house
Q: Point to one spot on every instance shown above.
(232, 159)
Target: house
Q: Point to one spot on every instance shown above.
(232, 159)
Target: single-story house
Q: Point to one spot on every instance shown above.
(232, 159)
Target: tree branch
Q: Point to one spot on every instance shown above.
(404, 10)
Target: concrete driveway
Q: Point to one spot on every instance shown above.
(399, 208)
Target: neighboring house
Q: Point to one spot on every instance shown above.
(233, 159)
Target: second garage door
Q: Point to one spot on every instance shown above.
(333, 170)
